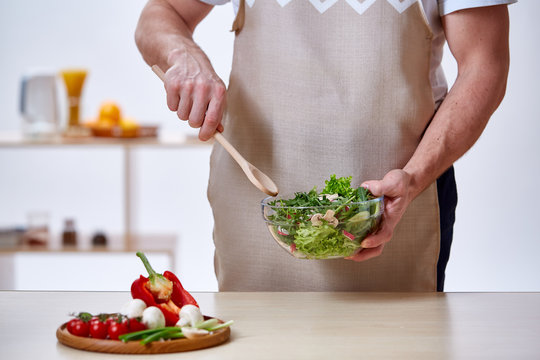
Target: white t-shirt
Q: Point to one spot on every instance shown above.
(434, 9)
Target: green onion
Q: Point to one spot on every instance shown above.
(207, 324)
(164, 334)
(221, 326)
(141, 334)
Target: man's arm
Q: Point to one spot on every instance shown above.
(478, 39)
(164, 37)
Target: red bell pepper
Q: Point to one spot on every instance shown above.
(163, 291)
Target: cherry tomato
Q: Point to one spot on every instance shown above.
(69, 325)
(78, 327)
(135, 324)
(98, 330)
(100, 318)
(111, 320)
(116, 329)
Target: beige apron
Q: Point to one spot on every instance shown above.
(320, 88)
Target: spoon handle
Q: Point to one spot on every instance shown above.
(157, 70)
(217, 135)
(256, 176)
(244, 164)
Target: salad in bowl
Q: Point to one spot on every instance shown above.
(329, 224)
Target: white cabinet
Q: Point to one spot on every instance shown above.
(77, 271)
(42, 269)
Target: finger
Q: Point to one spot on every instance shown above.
(198, 109)
(379, 238)
(173, 95)
(374, 186)
(184, 107)
(220, 128)
(212, 119)
(366, 254)
(393, 184)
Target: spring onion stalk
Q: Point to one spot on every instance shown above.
(221, 326)
(164, 334)
(143, 333)
(207, 324)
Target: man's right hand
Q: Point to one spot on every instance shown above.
(164, 37)
(195, 91)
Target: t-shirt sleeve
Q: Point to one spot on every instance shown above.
(448, 6)
(215, 2)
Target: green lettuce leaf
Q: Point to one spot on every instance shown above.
(323, 242)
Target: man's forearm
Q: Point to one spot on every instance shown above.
(458, 123)
(478, 39)
(162, 29)
(194, 90)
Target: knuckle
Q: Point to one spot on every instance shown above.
(188, 85)
(203, 87)
(211, 119)
(219, 91)
(173, 87)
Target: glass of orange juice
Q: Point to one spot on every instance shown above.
(74, 81)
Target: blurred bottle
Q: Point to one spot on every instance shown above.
(69, 235)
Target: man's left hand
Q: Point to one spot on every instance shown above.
(395, 187)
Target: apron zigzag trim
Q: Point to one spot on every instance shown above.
(359, 6)
(321, 5)
(402, 5)
(282, 2)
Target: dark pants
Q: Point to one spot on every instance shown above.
(447, 193)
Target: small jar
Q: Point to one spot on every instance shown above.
(69, 236)
(99, 239)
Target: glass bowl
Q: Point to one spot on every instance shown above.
(322, 232)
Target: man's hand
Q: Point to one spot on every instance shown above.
(395, 188)
(195, 91)
(164, 37)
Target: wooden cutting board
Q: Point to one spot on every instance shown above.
(134, 347)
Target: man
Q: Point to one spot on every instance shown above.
(342, 86)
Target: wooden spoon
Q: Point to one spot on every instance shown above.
(256, 176)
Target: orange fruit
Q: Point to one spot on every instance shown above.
(91, 124)
(111, 111)
(128, 124)
(105, 123)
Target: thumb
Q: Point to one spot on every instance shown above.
(375, 186)
(393, 184)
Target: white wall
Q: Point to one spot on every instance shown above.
(86, 183)
(496, 242)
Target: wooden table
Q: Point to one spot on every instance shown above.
(306, 325)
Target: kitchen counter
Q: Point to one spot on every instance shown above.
(305, 325)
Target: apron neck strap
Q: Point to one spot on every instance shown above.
(238, 23)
